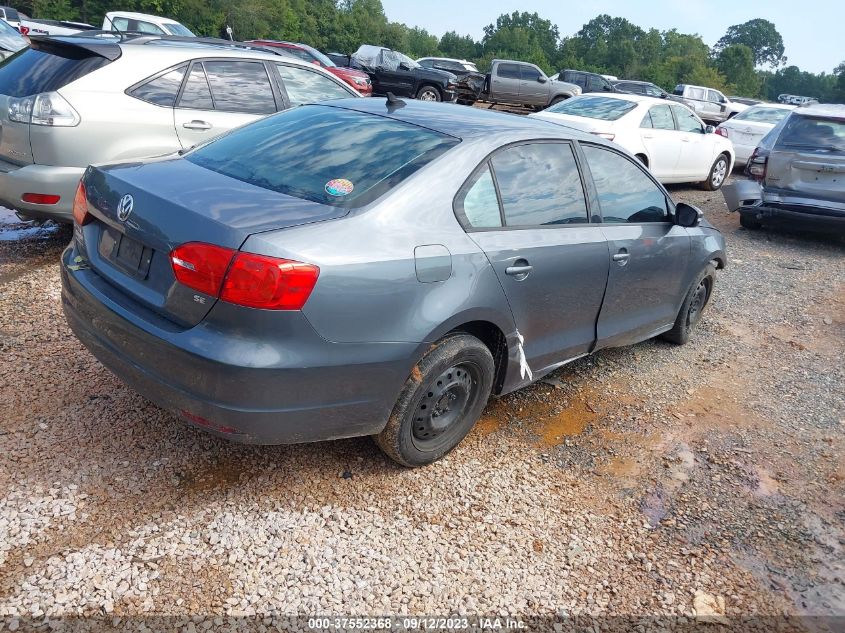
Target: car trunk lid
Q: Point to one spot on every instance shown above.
(132, 249)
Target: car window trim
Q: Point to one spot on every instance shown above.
(201, 61)
(195, 62)
(670, 206)
(488, 160)
(135, 86)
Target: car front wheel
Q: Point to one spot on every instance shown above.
(429, 93)
(440, 402)
(718, 173)
(693, 306)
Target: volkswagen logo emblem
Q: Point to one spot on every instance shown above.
(124, 207)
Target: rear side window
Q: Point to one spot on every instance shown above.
(687, 121)
(307, 86)
(163, 89)
(508, 71)
(479, 206)
(815, 133)
(240, 86)
(539, 184)
(626, 193)
(324, 154)
(32, 71)
(197, 94)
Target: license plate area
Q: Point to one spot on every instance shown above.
(129, 255)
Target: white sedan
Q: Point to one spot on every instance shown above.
(748, 128)
(667, 137)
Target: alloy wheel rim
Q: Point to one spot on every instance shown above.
(720, 172)
(444, 405)
(428, 95)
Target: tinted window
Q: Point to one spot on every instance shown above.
(635, 88)
(661, 117)
(594, 107)
(197, 94)
(687, 121)
(328, 155)
(31, 71)
(813, 133)
(529, 74)
(653, 91)
(595, 84)
(762, 114)
(480, 204)
(626, 193)
(12, 14)
(307, 86)
(240, 87)
(509, 71)
(161, 90)
(539, 184)
(426, 63)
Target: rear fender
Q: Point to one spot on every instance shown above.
(742, 193)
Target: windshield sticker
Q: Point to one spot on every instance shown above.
(339, 187)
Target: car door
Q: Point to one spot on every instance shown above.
(533, 85)
(505, 83)
(221, 94)
(660, 139)
(392, 77)
(716, 109)
(525, 208)
(304, 85)
(649, 254)
(696, 147)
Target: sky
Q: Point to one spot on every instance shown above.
(812, 30)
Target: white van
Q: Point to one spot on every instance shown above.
(128, 21)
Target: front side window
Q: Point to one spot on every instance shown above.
(480, 204)
(714, 97)
(687, 121)
(163, 89)
(324, 154)
(146, 27)
(653, 91)
(240, 86)
(540, 185)
(508, 71)
(595, 84)
(528, 73)
(308, 86)
(626, 193)
(197, 94)
(426, 63)
(661, 117)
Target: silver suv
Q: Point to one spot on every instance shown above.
(69, 102)
(797, 173)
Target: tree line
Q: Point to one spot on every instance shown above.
(749, 60)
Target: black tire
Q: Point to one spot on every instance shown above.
(429, 93)
(748, 221)
(440, 402)
(718, 173)
(694, 303)
(557, 100)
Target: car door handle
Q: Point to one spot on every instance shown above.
(518, 271)
(648, 136)
(685, 140)
(621, 257)
(197, 125)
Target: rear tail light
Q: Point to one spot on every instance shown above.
(246, 279)
(757, 165)
(48, 108)
(41, 198)
(80, 206)
(606, 135)
(24, 30)
(722, 131)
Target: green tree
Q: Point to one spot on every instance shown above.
(524, 36)
(761, 37)
(54, 10)
(459, 46)
(736, 63)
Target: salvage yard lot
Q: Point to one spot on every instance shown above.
(648, 480)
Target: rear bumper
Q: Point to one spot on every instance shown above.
(808, 218)
(62, 181)
(238, 383)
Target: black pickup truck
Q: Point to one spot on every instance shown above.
(391, 71)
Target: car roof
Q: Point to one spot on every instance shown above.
(141, 16)
(831, 110)
(447, 59)
(462, 122)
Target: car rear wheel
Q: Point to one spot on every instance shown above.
(693, 306)
(429, 93)
(440, 402)
(718, 173)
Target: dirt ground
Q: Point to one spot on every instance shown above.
(655, 480)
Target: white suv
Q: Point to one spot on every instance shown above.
(68, 102)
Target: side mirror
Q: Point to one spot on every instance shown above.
(542, 79)
(687, 215)
(404, 66)
(607, 88)
(709, 129)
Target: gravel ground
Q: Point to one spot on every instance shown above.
(649, 481)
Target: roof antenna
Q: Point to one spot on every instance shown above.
(394, 102)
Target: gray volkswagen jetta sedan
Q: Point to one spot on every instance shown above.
(368, 267)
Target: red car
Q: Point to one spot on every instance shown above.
(355, 78)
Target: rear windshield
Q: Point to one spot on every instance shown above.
(324, 154)
(814, 133)
(32, 71)
(759, 114)
(604, 108)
